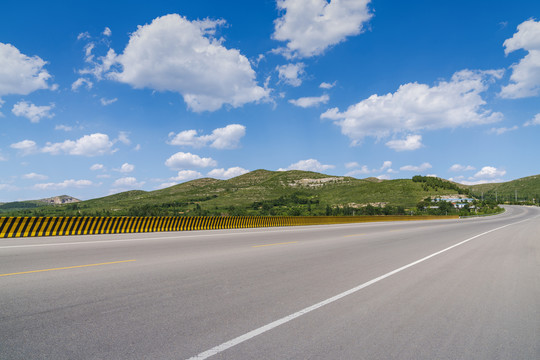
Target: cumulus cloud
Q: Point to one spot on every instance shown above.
(123, 137)
(106, 102)
(80, 82)
(185, 175)
(96, 167)
(126, 168)
(34, 176)
(21, 74)
(175, 54)
(107, 31)
(125, 184)
(182, 160)
(291, 73)
(64, 185)
(364, 169)
(534, 121)
(32, 112)
(525, 78)
(89, 145)
(420, 168)
(459, 167)
(25, 147)
(308, 165)
(228, 173)
(488, 174)
(306, 102)
(63, 127)
(311, 26)
(411, 142)
(414, 107)
(502, 130)
(227, 137)
(325, 85)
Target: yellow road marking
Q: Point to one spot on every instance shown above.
(67, 267)
(291, 242)
(354, 235)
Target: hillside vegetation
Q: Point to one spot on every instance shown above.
(264, 192)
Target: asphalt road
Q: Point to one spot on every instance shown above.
(449, 289)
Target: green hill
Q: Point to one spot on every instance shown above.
(524, 189)
(263, 192)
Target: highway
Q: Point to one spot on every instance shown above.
(439, 289)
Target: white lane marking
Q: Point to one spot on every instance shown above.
(272, 325)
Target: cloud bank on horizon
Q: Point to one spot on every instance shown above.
(174, 93)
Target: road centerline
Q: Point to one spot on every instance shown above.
(67, 267)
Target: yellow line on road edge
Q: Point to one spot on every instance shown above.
(354, 235)
(292, 242)
(67, 267)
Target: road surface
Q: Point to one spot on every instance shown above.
(442, 289)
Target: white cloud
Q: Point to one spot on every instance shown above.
(123, 137)
(362, 171)
(89, 145)
(127, 182)
(525, 78)
(534, 121)
(80, 82)
(175, 54)
(126, 168)
(107, 31)
(459, 167)
(227, 174)
(182, 160)
(420, 168)
(414, 107)
(502, 130)
(311, 26)
(291, 73)
(83, 36)
(26, 146)
(221, 138)
(19, 73)
(185, 175)
(65, 184)
(308, 165)
(489, 172)
(411, 142)
(106, 102)
(32, 112)
(34, 176)
(386, 165)
(96, 167)
(63, 127)
(306, 102)
(325, 85)
(383, 177)
(352, 164)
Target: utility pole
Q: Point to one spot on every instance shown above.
(516, 195)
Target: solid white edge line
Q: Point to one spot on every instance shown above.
(272, 325)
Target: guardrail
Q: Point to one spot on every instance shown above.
(11, 227)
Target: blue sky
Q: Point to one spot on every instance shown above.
(98, 98)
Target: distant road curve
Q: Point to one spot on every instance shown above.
(443, 289)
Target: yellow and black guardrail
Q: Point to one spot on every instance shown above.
(11, 227)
